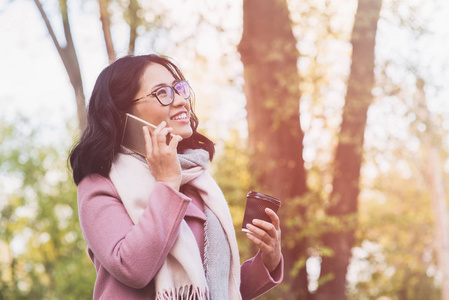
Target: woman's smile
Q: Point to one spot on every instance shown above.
(181, 117)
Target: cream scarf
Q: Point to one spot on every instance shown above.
(182, 275)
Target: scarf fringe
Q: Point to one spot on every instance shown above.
(187, 292)
(206, 248)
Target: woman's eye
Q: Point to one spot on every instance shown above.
(162, 93)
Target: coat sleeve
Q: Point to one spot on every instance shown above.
(131, 253)
(255, 278)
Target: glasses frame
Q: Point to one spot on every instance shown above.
(173, 89)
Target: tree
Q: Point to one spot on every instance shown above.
(41, 217)
(349, 153)
(269, 55)
(133, 22)
(436, 185)
(69, 58)
(68, 54)
(395, 248)
(105, 19)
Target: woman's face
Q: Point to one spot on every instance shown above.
(176, 115)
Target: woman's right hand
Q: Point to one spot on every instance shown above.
(162, 158)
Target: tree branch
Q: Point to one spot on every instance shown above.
(106, 24)
(49, 27)
(69, 59)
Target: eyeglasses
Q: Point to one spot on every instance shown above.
(166, 94)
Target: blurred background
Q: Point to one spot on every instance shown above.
(339, 108)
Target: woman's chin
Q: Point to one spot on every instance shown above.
(185, 134)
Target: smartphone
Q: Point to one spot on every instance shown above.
(133, 137)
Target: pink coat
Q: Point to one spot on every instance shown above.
(127, 256)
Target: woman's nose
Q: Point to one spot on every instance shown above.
(179, 99)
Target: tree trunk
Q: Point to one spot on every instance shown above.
(349, 153)
(436, 184)
(106, 23)
(269, 55)
(133, 9)
(69, 59)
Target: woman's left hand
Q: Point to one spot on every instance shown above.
(270, 239)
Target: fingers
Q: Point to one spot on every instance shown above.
(266, 234)
(264, 230)
(270, 228)
(159, 135)
(257, 241)
(162, 159)
(157, 138)
(174, 141)
(266, 245)
(274, 217)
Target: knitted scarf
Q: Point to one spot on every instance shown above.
(183, 276)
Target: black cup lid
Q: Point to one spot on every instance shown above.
(263, 197)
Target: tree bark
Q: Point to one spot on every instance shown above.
(269, 55)
(69, 59)
(349, 153)
(106, 23)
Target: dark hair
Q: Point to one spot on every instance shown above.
(115, 87)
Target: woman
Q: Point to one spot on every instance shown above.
(158, 227)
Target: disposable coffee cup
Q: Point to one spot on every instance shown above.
(255, 208)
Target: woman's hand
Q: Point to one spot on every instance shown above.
(270, 239)
(162, 158)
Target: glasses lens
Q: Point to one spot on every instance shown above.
(165, 95)
(183, 89)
